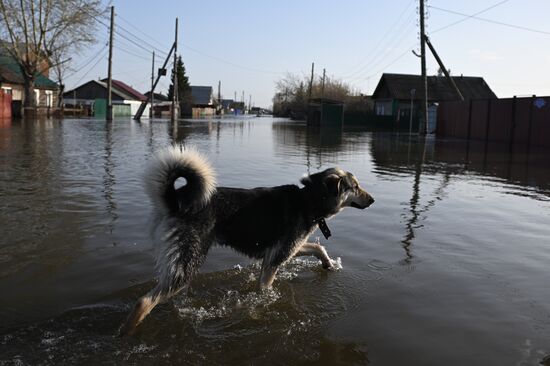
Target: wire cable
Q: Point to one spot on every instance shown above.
(375, 48)
(491, 21)
(90, 60)
(91, 68)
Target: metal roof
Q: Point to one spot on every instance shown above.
(116, 91)
(201, 94)
(127, 89)
(11, 73)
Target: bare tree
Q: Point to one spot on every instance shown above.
(41, 31)
(291, 93)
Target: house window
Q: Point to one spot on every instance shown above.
(383, 108)
(37, 97)
(49, 98)
(6, 90)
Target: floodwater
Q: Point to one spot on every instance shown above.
(450, 266)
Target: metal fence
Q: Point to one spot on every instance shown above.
(517, 121)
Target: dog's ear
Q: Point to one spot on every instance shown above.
(333, 184)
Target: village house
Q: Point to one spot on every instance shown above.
(394, 92)
(12, 84)
(202, 105)
(203, 101)
(92, 96)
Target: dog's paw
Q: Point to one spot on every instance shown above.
(334, 265)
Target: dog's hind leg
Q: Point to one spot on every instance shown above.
(143, 307)
(316, 250)
(177, 264)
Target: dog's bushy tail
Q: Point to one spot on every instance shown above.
(179, 162)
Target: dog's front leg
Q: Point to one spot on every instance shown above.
(267, 274)
(318, 251)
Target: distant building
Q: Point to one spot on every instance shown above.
(93, 96)
(158, 96)
(393, 94)
(227, 105)
(203, 101)
(12, 83)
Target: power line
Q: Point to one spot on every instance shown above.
(229, 62)
(131, 53)
(90, 60)
(91, 68)
(140, 31)
(491, 21)
(396, 41)
(435, 31)
(469, 16)
(391, 63)
(137, 44)
(379, 43)
(100, 21)
(184, 45)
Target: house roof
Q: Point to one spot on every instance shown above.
(399, 86)
(126, 89)
(159, 97)
(116, 91)
(201, 94)
(226, 103)
(11, 73)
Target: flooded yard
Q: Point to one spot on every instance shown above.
(449, 266)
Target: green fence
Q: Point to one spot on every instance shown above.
(119, 110)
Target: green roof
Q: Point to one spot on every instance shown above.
(11, 73)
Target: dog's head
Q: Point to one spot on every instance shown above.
(337, 189)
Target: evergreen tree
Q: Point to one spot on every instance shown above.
(184, 89)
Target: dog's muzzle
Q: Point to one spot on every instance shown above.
(367, 202)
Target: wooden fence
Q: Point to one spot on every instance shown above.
(517, 121)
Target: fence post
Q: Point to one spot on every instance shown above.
(469, 131)
(488, 123)
(530, 124)
(513, 127)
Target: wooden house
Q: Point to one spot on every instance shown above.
(394, 92)
(12, 83)
(203, 101)
(93, 96)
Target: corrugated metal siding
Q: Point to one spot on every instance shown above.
(513, 120)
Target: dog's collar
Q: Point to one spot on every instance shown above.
(323, 227)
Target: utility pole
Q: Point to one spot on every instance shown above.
(323, 85)
(110, 68)
(311, 80)
(161, 72)
(175, 82)
(235, 97)
(424, 89)
(249, 101)
(220, 106)
(152, 112)
(322, 98)
(450, 80)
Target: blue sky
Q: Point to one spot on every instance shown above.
(249, 45)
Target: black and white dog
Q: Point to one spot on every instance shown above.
(272, 224)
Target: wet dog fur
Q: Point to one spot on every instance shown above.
(271, 224)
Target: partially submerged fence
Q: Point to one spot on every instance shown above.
(511, 120)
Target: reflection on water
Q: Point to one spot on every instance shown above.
(449, 264)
